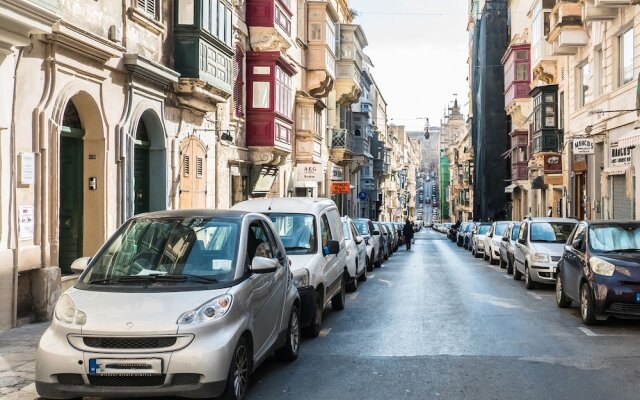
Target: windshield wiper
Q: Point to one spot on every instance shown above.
(154, 278)
(186, 277)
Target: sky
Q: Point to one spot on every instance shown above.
(419, 50)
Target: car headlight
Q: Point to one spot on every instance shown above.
(67, 312)
(301, 278)
(213, 309)
(542, 258)
(601, 267)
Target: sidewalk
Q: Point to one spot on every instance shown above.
(18, 360)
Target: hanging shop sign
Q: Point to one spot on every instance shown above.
(620, 156)
(552, 164)
(309, 173)
(583, 146)
(342, 187)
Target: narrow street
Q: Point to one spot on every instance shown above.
(436, 323)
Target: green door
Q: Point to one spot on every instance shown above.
(71, 204)
(141, 178)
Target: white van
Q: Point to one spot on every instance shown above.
(311, 231)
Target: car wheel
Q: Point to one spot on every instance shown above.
(509, 265)
(587, 306)
(528, 282)
(517, 275)
(561, 298)
(484, 256)
(313, 330)
(289, 352)
(337, 302)
(370, 265)
(238, 379)
(503, 263)
(378, 263)
(352, 286)
(363, 274)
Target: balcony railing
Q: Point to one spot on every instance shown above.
(342, 139)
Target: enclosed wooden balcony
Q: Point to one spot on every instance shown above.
(567, 32)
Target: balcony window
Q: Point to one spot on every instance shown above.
(261, 94)
(282, 19)
(582, 87)
(284, 94)
(186, 12)
(625, 56)
(330, 35)
(546, 135)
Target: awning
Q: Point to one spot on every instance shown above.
(538, 183)
(615, 170)
(629, 139)
(510, 188)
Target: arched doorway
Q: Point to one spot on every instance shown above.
(193, 173)
(70, 232)
(149, 169)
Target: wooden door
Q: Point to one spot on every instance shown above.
(71, 201)
(193, 174)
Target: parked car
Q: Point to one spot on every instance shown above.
(601, 261)
(538, 249)
(492, 241)
(461, 232)
(468, 235)
(399, 228)
(452, 234)
(386, 239)
(366, 229)
(394, 234)
(176, 303)
(356, 254)
(311, 231)
(477, 242)
(508, 245)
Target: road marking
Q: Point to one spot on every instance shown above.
(324, 332)
(354, 295)
(535, 296)
(371, 276)
(587, 331)
(507, 276)
(385, 281)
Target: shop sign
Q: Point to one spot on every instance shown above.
(337, 173)
(309, 173)
(620, 156)
(583, 146)
(552, 164)
(342, 187)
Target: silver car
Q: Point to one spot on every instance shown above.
(176, 303)
(508, 245)
(538, 249)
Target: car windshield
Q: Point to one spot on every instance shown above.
(514, 232)
(615, 237)
(297, 232)
(554, 232)
(362, 226)
(346, 231)
(192, 250)
(483, 229)
(500, 228)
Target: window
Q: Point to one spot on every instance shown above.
(284, 94)
(625, 59)
(149, 7)
(199, 167)
(297, 232)
(598, 83)
(185, 165)
(186, 12)
(330, 35)
(561, 110)
(522, 72)
(261, 95)
(217, 20)
(238, 82)
(258, 242)
(553, 232)
(325, 231)
(282, 20)
(578, 238)
(583, 85)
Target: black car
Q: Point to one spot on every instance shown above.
(600, 270)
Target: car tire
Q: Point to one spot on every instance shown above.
(352, 286)
(313, 330)
(337, 302)
(509, 266)
(562, 300)
(370, 265)
(289, 352)
(484, 256)
(363, 274)
(587, 305)
(378, 263)
(238, 378)
(517, 275)
(478, 255)
(503, 264)
(529, 284)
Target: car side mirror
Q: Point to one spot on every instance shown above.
(505, 239)
(522, 241)
(376, 232)
(332, 247)
(263, 265)
(358, 239)
(79, 265)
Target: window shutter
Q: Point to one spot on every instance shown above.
(199, 167)
(238, 82)
(185, 165)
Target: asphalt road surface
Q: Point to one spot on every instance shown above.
(436, 323)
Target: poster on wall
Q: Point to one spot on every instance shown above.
(25, 223)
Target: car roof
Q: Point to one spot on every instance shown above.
(551, 219)
(295, 205)
(186, 213)
(613, 221)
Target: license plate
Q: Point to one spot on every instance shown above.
(119, 366)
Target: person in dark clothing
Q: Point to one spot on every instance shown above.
(408, 234)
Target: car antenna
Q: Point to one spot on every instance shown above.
(270, 203)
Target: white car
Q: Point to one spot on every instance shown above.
(311, 231)
(478, 239)
(492, 241)
(366, 229)
(356, 254)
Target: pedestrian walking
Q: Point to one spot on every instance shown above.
(408, 234)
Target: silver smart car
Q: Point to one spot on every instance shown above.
(178, 303)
